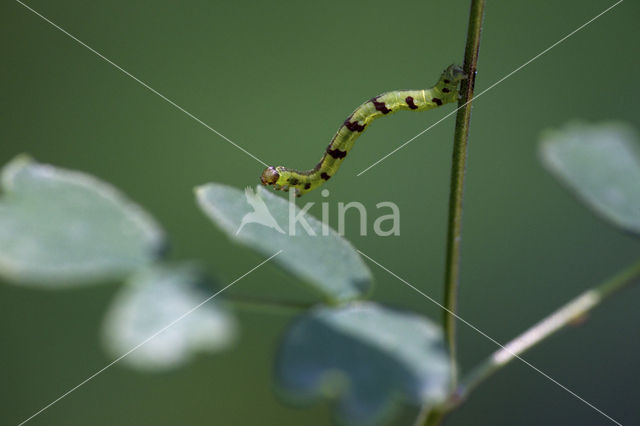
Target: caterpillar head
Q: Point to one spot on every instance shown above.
(269, 176)
(454, 73)
(281, 180)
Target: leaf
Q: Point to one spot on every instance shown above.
(601, 164)
(261, 221)
(154, 313)
(365, 356)
(60, 228)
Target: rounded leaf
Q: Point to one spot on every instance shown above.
(154, 314)
(261, 221)
(601, 164)
(60, 227)
(366, 357)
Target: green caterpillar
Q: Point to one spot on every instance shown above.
(444, 92)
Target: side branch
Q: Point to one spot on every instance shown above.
(560, 319)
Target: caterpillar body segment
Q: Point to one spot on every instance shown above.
(445, 91)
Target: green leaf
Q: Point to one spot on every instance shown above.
(261, 221)
(154, 313)
(366, 357)
(60, 228)
(601, 164)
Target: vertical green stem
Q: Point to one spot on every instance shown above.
(459, 161)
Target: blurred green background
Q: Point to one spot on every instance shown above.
(278, 78)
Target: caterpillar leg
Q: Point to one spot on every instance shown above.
(445, 91)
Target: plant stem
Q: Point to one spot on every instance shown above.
(427, 417)
(570, 313)
(458, 167)
(262, 305)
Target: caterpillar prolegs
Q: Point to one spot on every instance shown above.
(444, 92)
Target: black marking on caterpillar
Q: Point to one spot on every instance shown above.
(409, 101)
(336, 153)
(380, 106)
(354, 126)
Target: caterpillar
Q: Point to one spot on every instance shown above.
(445, 91)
